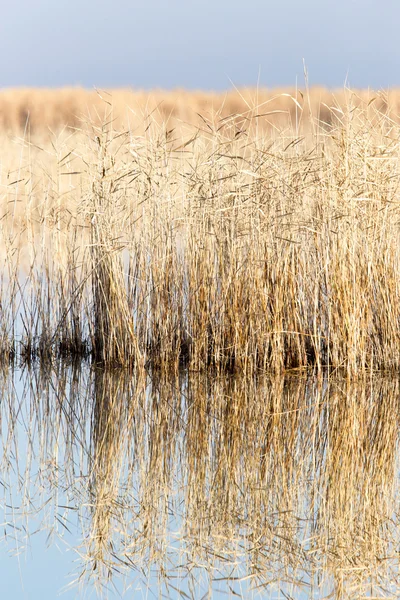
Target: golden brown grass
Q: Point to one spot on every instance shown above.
(40, 109)
(227, 246)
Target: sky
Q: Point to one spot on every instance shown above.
(199, 44)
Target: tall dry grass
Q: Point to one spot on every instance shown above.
(226, 246)
(40, 109)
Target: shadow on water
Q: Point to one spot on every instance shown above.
(191, 486)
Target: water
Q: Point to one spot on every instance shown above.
(188, 486)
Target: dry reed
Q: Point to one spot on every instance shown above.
(40, 109)
(226, 247)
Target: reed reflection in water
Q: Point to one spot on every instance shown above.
(197, 485)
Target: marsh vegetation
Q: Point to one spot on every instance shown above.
(228, 247)
(204, 316)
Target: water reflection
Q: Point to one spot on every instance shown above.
(201, 486)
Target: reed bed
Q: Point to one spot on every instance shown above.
(41, 109)
(197, 484)
(228, 246)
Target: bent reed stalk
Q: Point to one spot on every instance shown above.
(223, 247)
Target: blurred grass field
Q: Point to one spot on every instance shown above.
(40, 109)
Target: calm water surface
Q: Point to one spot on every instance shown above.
(189, 486)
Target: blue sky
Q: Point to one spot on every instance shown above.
(199, 44)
